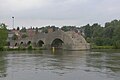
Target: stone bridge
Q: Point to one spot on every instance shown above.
(58, 39)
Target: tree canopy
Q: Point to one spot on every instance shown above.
(109, 35)
(3, 35)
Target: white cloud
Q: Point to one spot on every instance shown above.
(78, 11)
(17, 5)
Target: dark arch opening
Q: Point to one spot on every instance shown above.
(40, 43)
(57, 43)
(16, 44)
(29, 42)
(21, 43)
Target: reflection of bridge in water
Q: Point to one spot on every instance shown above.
(58, 39)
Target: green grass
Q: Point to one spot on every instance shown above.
(21, 49)
(102, 47)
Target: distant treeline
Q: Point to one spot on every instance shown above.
(98, 35)
(109, 35)
(3, 35)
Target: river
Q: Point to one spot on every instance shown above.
(60, 65)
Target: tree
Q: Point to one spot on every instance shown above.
(68, 28)
(3, 35)
(117, 44)
(18, 28)
(23, 29)
(87, 30)
(53, 27)
(98, 41)
(44, 29)
(15, 37)
(24, 35)
(36, 30)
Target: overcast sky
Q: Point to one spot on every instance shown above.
(40, 13)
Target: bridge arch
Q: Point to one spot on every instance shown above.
(16, 44)
(21, 43)
(64, 40)
(58, 43)
(40, 43)
(28, 43)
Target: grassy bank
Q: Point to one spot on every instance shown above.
(20, 49)
(102, 47)
(35, 48)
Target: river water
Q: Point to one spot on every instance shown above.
(60, 65)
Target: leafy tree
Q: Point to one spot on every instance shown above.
(36, 30)
(103, 36)
(87, 31)
(117, 44)
(3, 35)
(18, 28)
(23, 29)
(44, 29)
(108, 32)
(98, 41)
(15, 37)
(24, 36)
(68, 28)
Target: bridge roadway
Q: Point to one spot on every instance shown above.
(59, 39)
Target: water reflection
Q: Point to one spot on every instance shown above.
(104, 62)
(2, 65)
(60, 65)
(62, 62)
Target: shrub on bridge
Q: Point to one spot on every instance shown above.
(29, 47)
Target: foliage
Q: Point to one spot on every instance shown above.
(108, 35)
(3, 35)
(15, 37)
(103, 36)
(30, 47)
(18, 28)
(36, 30)
(102, 47)
(24, 36)
(45, 29)
(23, 29)
(117, 44)
(68, 28)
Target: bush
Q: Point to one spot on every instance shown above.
(1, 48)
(117, 44)
(29, 47)
(102, 47)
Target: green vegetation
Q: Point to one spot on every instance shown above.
(23, 29)
(100, 37)
(68, 28)
(30, 47)
(45, 29)
(102, 47)
(3, 35)
(24, 35)
(15, 37)
(109, 35)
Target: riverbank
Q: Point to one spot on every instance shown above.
(102, 47)
(34, 48)
(20, 48)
